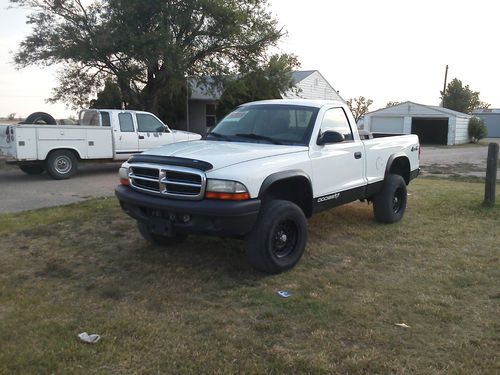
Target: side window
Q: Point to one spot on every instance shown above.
(105, 120)
(126, 123)
(336, 120)
(149, 124)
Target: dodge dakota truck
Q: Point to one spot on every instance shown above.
(104, 135)
(261, 172)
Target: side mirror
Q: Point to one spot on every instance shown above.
(330, 137)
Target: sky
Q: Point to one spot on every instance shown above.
(385, 50)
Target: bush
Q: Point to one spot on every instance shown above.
(477, 129)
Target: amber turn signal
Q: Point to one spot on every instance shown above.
(227, 196)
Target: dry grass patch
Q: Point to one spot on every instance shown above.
(200, 308)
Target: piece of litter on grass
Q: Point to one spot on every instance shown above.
(91, 339)
(402, 325)
(283, 293)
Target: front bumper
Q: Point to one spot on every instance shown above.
(212, 217)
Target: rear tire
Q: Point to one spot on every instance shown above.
(40, 118)
(61, 164)
(279, 238)
(390, 203)
(157, 239)
(32, 169)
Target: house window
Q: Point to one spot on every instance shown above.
(210, 115)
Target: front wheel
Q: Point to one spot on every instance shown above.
(279, 238)
(61, 164)
(390, 203)
(158, 239)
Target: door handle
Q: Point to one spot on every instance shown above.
(141, 137)
(357, 155)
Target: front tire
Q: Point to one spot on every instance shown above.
(390, 203)
(157, 239)
(279, 238)
(32, 169)
(61, 164)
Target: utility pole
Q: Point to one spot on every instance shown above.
(444, 87)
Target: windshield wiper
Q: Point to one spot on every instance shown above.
(259, 137)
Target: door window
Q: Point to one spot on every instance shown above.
(126, 123)
(149, 124)
(336, 120)
(105, 120)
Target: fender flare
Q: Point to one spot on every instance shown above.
(278, 176)
(391, 160)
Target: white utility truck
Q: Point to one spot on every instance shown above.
(104, 134)
(261, 172)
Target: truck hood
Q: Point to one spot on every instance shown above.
(223, 154)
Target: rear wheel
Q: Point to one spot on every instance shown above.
(157, 239)
(32, 168)
(61, 164)
(279, 238)
(390, 203)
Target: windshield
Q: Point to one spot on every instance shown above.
(266, 123)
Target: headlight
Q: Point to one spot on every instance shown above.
(123, 172)
(226, 190)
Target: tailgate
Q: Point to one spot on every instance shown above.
(7, 144)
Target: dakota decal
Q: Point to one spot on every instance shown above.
(329, 197)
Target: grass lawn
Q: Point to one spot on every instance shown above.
(200, 308)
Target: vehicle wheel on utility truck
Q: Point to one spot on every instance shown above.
(261, 172)
(61, 164)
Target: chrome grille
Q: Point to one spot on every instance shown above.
(169, 181)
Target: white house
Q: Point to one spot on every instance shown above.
(310, 84)
(433, 125)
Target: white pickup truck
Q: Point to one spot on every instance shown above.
(261, 172)
(103, 134)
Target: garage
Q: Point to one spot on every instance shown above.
(430, 130)
(434, 125)
(491, 118)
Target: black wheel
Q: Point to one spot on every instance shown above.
(390, 203)
(40, 118)
(279, 238)
(61, 164)
(32, 168)
(157, 239)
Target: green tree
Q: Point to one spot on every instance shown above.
(359, 106)
(265, 81)
(461, 98)
(110, 97)
(477, 129)
(145, 47)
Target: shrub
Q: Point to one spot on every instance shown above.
(477, 129)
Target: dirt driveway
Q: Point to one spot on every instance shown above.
(20, 192)
(463, 160)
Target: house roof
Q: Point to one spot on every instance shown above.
(431, 107)
(301, 75)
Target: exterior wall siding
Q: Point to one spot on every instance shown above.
(314, 87)
(461, 131)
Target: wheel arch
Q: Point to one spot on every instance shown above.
(70, 149)
(292, 185)
(398, 164)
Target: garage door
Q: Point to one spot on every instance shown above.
(492, 123)
(430, 130)
(387, 125)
